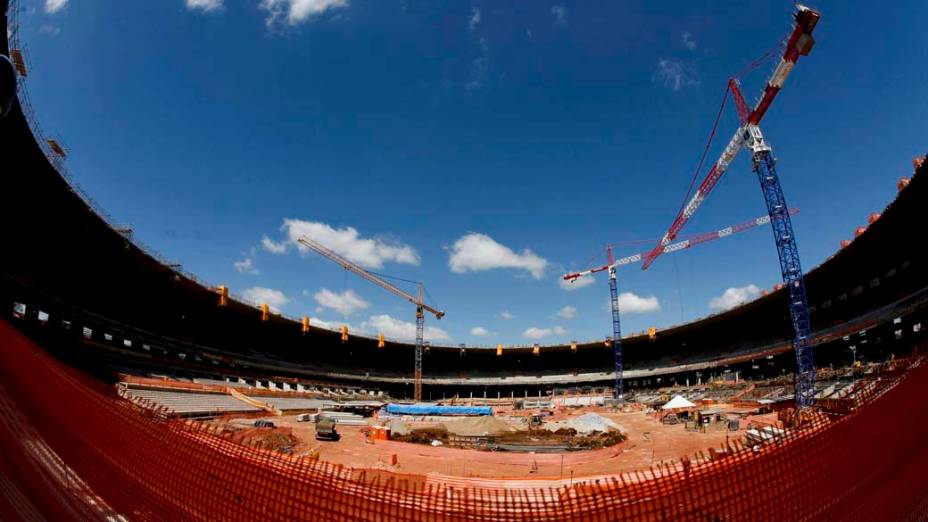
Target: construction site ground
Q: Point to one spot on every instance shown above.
(648, 443)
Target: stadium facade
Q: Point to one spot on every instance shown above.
(75, 268)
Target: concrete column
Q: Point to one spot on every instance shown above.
(687, 381)
(471, 394)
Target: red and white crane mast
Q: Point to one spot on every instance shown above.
(749, 135)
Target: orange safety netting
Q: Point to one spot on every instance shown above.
(74, 449)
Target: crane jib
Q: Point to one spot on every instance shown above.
(799, 43)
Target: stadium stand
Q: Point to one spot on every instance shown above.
(191, 404)
(77, 451)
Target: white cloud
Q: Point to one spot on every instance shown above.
(576, 284)
(688, 40)
(329, 325)
(568, 312)
(477, 252)
(733, 297)
(50, 29)
(345, 303)
(474, 18)
(53, 6)
(536, 333)
(273, 246)
(275, 299)
(630, 303)
(346, 242)
(560, 14)
(396, 329)
(675, 74)
(298, 11)
(505, 315)
(479, 331)
(246, 266)
(480, 62)
(205, 5)
(479, 65)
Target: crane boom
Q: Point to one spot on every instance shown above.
(749, 135)
(799, 43)
(351, 267)
(680, 245)
(417, 300)
(612, 265)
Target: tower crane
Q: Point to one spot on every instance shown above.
(749, 136)
(417, 300)
(612, 264)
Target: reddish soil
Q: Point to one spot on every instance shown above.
(649, 443)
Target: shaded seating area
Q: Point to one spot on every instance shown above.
(192, 403)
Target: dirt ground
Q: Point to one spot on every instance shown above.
(649, 443)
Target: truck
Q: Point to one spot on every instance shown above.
(325, 428)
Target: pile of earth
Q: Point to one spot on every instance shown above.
(585, 424)
(490, 433)
(398, 427)
(478, 426)
(565, 439)
(276, 439)
(465, 427)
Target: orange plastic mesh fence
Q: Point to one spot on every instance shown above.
(74, 449)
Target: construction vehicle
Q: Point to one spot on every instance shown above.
(749, 136)
(325, 428)
(612, 264)
(417, 300)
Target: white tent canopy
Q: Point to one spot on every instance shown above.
(678, 402)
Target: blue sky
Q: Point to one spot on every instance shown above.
(482, 147)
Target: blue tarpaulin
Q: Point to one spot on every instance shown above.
(431, 409)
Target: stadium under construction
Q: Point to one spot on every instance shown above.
(130, 389)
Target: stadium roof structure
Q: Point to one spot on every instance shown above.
(112, 284)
